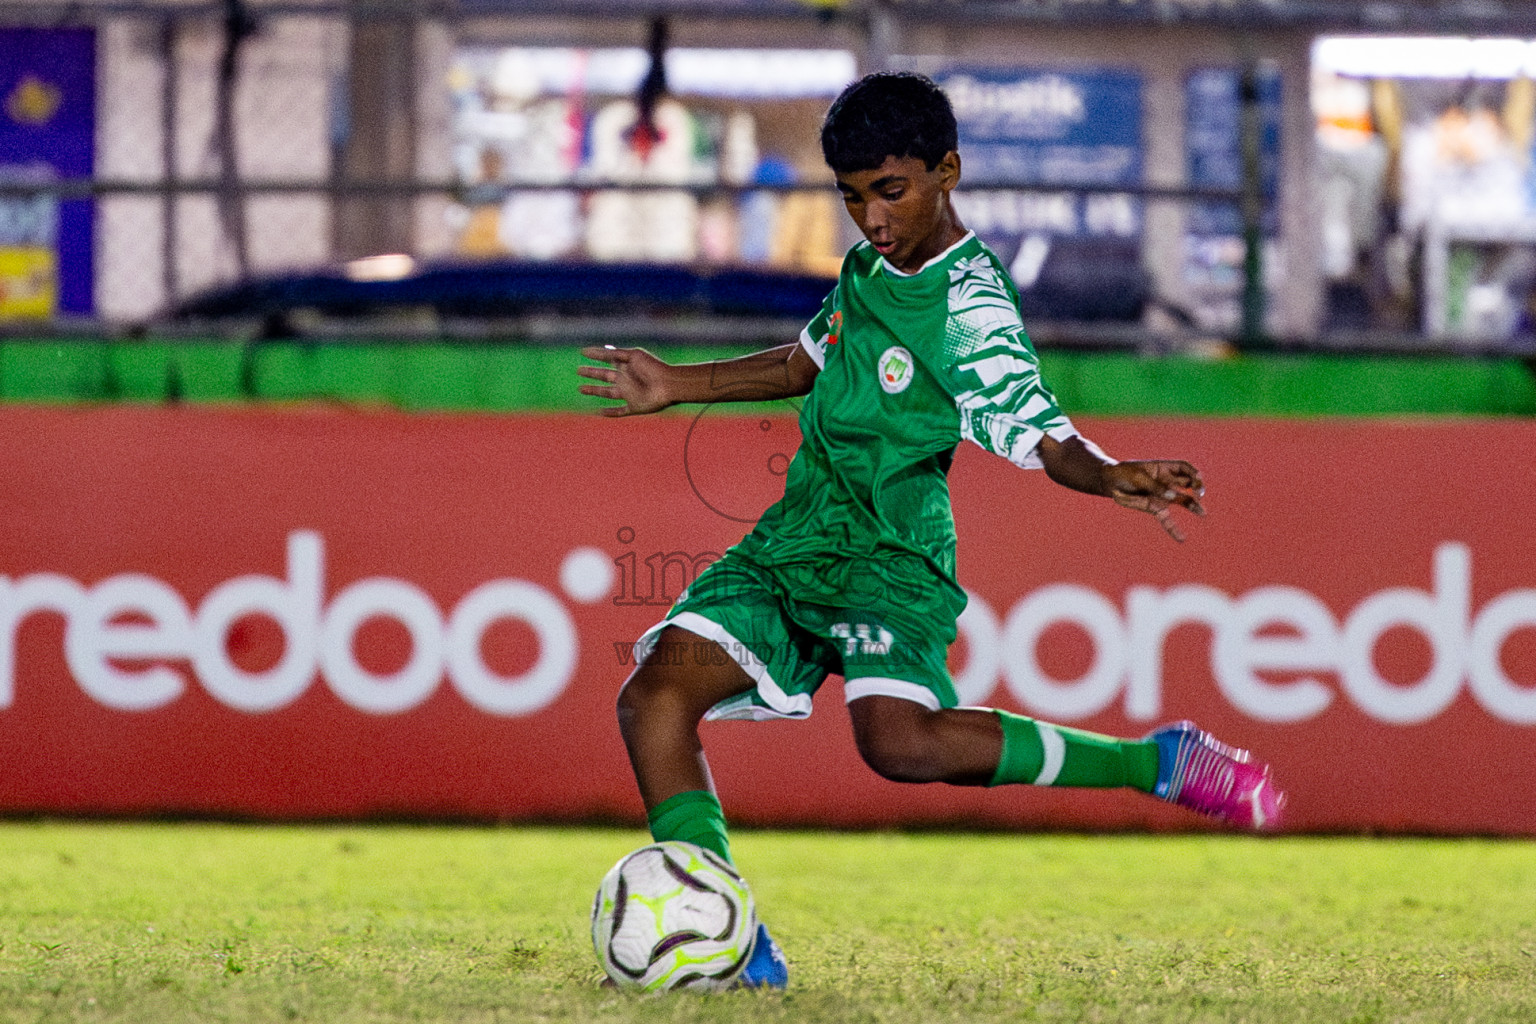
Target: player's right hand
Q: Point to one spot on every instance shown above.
(632, 377)
(1155, 486)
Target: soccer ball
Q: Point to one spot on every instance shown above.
(673, 915)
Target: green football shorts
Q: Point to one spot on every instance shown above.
(790, 646)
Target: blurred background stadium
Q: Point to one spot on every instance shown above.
(1171, 172)
(272, 276)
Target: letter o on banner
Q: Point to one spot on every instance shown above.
(416, 679)
(551, 672)
(1501, 696)
(978, 624)
(1097, 687)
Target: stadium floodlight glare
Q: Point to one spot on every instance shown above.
(780, 73)
(393, 266)
(1449, 57)
(740, 73)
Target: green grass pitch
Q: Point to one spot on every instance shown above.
(170, 923)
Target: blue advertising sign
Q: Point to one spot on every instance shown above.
(1046, 127)
(47, 132)
(1213, 113)
(1074, 256)
(1213, 146)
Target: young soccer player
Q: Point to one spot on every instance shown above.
(918, 347)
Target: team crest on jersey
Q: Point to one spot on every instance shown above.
(895, 369)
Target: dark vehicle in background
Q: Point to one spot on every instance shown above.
(552, 301)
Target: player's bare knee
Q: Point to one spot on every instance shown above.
(646, 693)
(629, 705)
(899, 755)
(897, 738)
(661, 695)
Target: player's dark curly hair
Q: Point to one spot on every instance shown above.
(885, 114)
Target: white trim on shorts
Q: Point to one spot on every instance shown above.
(780, 704)
(875, 686)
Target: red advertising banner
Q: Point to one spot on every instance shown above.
(317, 613)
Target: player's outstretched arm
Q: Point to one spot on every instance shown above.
(643, 383)
(1153, 486)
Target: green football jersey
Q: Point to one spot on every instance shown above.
(911, 364)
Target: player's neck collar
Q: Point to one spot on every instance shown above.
(890, 268)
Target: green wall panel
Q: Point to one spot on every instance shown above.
(423, 376)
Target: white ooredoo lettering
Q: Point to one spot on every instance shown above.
(1272, 629)
(140, 618)
(293, 603)
(93, 637)
(1241, 651)
(133, 643)
(416, 679)
(544, 681)
(1085, 608)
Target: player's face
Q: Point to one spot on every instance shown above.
(903, 208)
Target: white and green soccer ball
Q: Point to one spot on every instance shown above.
(673, 915)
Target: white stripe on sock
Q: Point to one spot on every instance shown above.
(1055, 754)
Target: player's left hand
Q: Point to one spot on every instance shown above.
(633, 377)
(1155, 487)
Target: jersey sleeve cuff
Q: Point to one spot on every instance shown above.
(1066, 430)
(813, 348)
(1063, 430)
(1029, 458)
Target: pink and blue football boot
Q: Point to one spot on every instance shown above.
(1198, 771)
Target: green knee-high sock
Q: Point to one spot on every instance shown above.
(693, 817)
(1041, 754)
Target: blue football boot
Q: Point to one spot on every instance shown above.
(766, 967)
